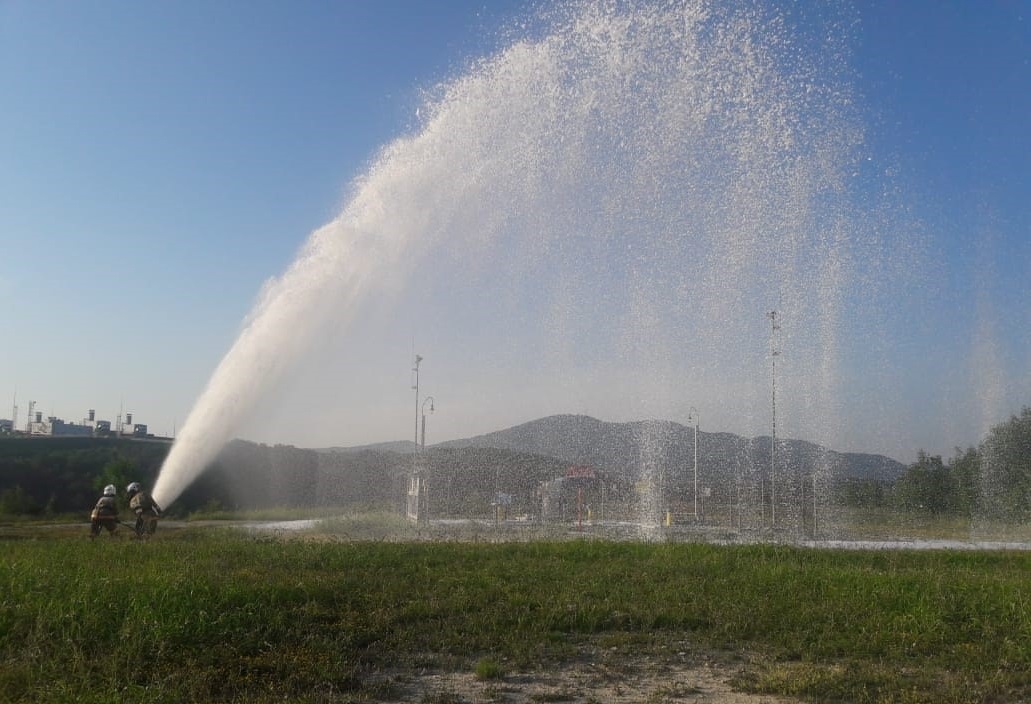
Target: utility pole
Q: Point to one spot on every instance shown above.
(415, 386)
(429, 400)
(774, 351)
(814, 504)
(693, 415)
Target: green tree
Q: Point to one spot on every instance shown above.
(927, 486)
(1006, 469)
(15, 501)
(119, 471)
(966, 475)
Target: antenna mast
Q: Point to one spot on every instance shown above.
(774, 351)
(415, 385)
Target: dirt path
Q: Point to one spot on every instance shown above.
(582, 684)
(644, 680)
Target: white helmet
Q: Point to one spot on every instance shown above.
(109, 490)
(133, 488)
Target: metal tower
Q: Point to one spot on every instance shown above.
(774, 351)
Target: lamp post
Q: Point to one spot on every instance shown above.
(692, 415)
(429, 400)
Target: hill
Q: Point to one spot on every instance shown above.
(733, 472)
(627, 449)
(401, 447)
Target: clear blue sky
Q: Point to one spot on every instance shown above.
(160, 161)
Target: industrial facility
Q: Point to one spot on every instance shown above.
(52, 426)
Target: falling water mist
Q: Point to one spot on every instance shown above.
(679, 167)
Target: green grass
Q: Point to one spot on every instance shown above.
(489, 669)
(210, 615)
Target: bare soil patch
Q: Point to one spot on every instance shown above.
(600, 677)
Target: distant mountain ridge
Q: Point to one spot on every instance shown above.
(623, 449)
(631, 462)
(401, 447)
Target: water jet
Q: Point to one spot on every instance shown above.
(627, 188)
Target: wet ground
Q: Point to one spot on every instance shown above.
(483, 530)
(487, 530)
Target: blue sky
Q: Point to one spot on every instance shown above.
(159, 162)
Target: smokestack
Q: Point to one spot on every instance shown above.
(92, 414)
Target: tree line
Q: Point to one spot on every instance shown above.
(51, 476)
(991, 481)
(57, 476)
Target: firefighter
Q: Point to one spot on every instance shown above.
(105, 513)
(146, 509)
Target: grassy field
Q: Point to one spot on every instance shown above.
(209, 614)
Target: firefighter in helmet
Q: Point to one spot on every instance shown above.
(146, 509)
(105, 513)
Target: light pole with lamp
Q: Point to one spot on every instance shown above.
(692, 415)
(429, 400)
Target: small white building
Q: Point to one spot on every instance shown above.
(56, 427)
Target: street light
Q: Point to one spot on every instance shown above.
(693, 415)
(429, 400)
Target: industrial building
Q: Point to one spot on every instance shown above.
(52, 426)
